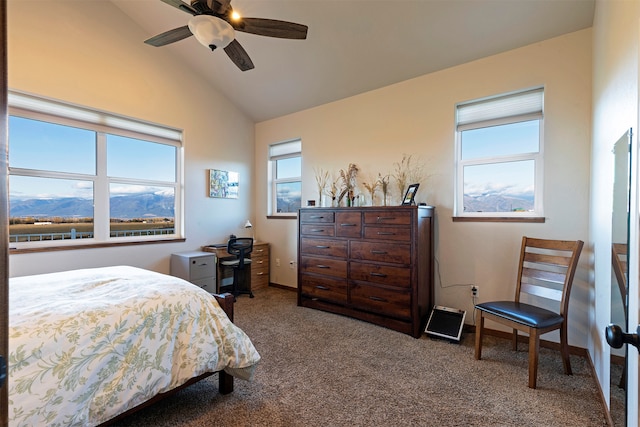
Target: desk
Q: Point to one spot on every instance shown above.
(259, 276)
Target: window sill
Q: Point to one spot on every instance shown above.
(533, 219)
(13, 251)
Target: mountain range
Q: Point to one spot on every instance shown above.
(145, 205)
(497, 203)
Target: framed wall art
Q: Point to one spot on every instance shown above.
(223, 184)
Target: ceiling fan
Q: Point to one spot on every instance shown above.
(214, 23)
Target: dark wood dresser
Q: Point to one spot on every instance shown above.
(371, 263)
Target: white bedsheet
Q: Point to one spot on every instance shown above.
(87, 345)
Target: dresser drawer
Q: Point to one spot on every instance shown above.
(325, 266)
(324, 288)
(396, 217)
(208, 284)
(202, 267)
(348, 224)
(259, 262)
(397, 253)
(260, 251)
(402, 234)
(316, 216)
(259, 277)
(327, 230)
(393, 303)
(326, 247)
(383, 274)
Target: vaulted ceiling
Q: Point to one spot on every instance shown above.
(354, 46)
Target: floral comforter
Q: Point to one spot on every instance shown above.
(87, 345)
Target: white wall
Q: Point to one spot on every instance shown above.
(615, 109)
(416, 117)
(90, 53)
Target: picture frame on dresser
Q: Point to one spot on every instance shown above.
(410, 195)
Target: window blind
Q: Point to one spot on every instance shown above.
(520, 106)
(37, 104)
(283, 149)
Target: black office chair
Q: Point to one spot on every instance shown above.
(240, 247)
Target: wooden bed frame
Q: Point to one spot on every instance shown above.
(225, 382)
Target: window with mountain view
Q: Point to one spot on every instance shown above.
(285, 166)
(79, 176)
(499, 156)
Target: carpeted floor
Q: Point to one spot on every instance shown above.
(322, 369)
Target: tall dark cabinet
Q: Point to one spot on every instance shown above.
(371, 263)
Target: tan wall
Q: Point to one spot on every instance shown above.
(90, 53)
(416, 117)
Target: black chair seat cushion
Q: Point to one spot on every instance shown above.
(524, 314)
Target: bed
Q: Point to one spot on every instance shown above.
(87, 346)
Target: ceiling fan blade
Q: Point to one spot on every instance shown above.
(219, 6)
(272, 28)
(170, 36)
(178, 4)
(239, 56)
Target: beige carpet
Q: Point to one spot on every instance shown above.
(322, 369)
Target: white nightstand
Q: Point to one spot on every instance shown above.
(197, 267)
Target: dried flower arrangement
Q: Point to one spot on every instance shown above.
(372, 186)
(333, 192)
(349, 183)
(384, 185)
(407, 172)
(322, 179)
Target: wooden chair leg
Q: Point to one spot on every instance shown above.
(564, 349)
(514, 340)
(534, 348)
(479, 331)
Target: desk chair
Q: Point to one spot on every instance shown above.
(240, 247)
(546, 270)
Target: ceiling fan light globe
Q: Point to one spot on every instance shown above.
(211, 31)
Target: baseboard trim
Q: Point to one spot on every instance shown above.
(279, 286)
(578, 351)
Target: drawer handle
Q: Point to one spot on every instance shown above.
(316, 216)
(378, 252)
(385, 233)
(348, 225)
(322, 266)
(322, 247)
(260, 273)
(374, 298)
(317, 230)
(323, 288)
(385, 218)
(377, 274)
(259, 262)
(260, 250)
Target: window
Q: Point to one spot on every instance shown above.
(285, 171)
(79, 176)
(499, 156)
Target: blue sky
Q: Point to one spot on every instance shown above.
(40, 145)
(514, 178)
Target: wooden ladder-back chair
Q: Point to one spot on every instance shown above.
(546, 270)
(619, 264)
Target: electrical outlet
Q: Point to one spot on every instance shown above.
(277, 262)
(474, 291)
